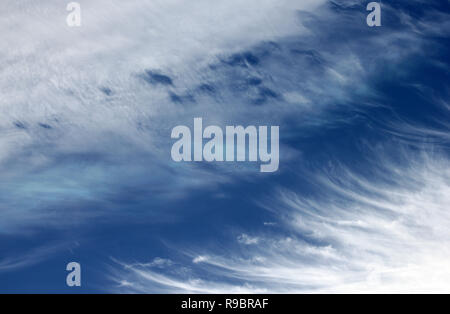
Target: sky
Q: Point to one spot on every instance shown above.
(359, 204)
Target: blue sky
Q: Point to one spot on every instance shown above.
(359, 204)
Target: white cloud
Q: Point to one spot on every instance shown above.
(247, 240)
(31, 257)
(200, 259)
(53, 104)
(51, 73)
(385, 233)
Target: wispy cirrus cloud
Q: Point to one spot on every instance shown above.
(85, 116)
(385, 232)
(31, 257)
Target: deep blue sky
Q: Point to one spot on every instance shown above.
(364, 130)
